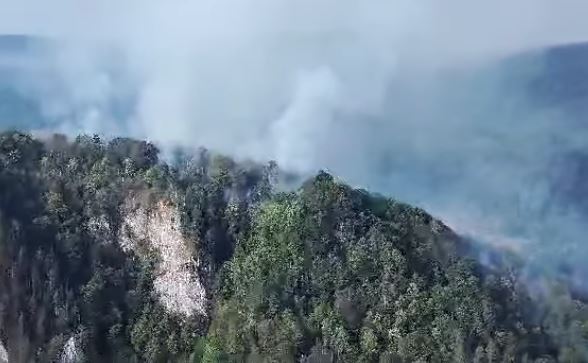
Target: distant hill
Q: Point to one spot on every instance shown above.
(19, 109)
(15, 43)
(564, 80)
(555, 78)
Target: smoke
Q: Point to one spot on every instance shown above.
(405, 97)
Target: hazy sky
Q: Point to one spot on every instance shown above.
(190, 59)
(482, 24)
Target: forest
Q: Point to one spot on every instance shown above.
(110, 252)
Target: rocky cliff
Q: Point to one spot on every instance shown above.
(157, 230)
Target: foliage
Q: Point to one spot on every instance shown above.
(323, 274)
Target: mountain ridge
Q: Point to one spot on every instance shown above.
(323, 273)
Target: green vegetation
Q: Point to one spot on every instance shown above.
(323, 274)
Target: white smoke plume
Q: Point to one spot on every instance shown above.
(376, 91)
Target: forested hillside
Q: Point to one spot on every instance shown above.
(109, 254)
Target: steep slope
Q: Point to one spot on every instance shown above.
(157, 230)
(80, 261)
(108, 254)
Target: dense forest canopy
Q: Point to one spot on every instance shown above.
(109, 254)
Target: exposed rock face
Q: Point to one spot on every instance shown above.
(71, 353)
(3, 354)
(157, 229)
